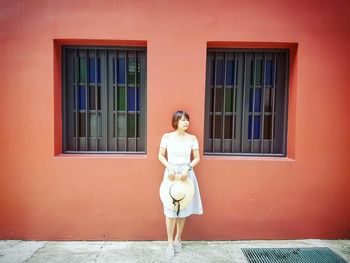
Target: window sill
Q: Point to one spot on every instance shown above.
(248, 158)
(102, 155)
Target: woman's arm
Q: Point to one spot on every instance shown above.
(162, 159)
(196, 158)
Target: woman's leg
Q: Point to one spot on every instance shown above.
(170, 225)
(180, 223)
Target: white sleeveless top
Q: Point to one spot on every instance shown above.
(179, 151)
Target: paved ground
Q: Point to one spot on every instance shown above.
(148, 251)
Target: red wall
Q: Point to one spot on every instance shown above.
(45, 194)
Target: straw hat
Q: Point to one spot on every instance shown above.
(176, 195)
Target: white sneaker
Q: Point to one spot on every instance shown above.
(177, 246)
(170, 252)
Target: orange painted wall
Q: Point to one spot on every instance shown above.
(48, 195)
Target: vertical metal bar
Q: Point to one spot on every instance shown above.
(273, 101)
(243, 104)
(214, 110)
(126, 99)
(285, 117)
(135, 101)
(263, 107)
(76, 86)
(96, 99)
(86, 96)
(116, 99)
(234, 102)
(223, 108)
(253, 107)
(107, 118)
(64, 100)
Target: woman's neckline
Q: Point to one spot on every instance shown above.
(180, 137)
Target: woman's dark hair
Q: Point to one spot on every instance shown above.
(177, 116)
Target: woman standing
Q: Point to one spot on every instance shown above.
(179, 144)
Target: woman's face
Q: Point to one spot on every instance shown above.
(183, 123)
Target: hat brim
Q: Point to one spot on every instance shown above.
(166, 198)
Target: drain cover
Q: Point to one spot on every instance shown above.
(292, 255)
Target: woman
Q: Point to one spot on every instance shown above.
(178, 144)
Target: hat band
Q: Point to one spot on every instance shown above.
(176, 201)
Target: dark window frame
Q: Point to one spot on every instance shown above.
(107, 140)
(240, 103)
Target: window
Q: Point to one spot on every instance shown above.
(246, 102)
(104, 99)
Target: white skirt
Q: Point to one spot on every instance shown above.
(195, 207)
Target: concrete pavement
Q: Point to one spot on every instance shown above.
(18, 251)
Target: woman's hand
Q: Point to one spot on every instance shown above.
(171, 174)
(184, 174)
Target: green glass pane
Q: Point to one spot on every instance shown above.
(259, 67)
(131, 125)
(82, 70)
(121, 98)
(228, 100)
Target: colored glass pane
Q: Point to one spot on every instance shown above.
(131, 125)
(93, 68)
(259, 73)
(256, 127)
(230, 72)
(121, 71)
(268, 72)
(228, 100)
(257, 102)
(82, 124)
(131, 98)
(81, 96)
(121, 98)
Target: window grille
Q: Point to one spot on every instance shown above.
(246, 102)
(104, 99)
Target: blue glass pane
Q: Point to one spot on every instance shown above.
(121, 71)
(256, 127)
(113, 73)
(269, 72)
(92, 70)
(230, 69)
(212, 73)
(81, 97)
(131, 98)
(219, 72)
(257, 107)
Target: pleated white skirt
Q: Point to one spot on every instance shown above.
(195, 207)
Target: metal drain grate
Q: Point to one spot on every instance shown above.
(292, 255)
